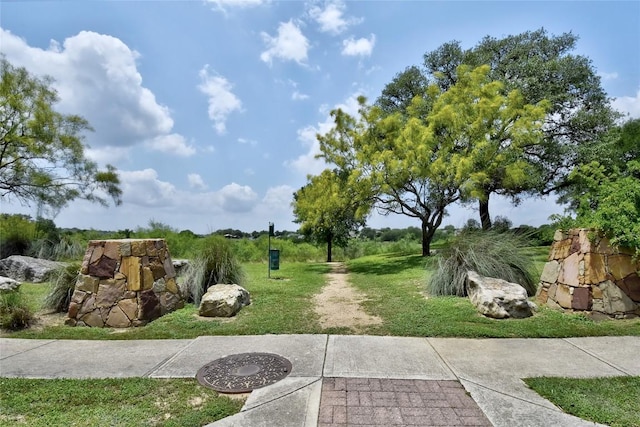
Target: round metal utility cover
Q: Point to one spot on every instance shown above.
(241, 373)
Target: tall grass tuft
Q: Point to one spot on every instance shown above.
(62, 287)
(499, 255)
(14, 311)
(214, 263)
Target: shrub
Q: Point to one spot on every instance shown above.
(502, 256)
(214, 263)
(14, 312)
(62, 287)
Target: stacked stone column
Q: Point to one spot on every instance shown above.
(124, 283)
(585, 273)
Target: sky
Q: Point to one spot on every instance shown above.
(209, 109)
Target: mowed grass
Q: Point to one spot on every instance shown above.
(111, 402)
(279, 305)
(611, 401)
(394, 286)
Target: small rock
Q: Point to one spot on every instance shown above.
(8, 285)
(498, 298)
(223, 300)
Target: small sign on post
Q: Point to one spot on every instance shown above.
(274, 259)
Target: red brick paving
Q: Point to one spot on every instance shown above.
(368, 402)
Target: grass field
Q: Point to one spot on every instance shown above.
(394, 286)
(111, 402)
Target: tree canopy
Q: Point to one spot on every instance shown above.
(541, 67)
(446, 146)
(42, 155)
(328, 210)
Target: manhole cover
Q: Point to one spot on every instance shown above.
(241, 373)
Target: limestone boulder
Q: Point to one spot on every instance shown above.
(28, 269)
(223, 300)
(498, 298)
(8, 285)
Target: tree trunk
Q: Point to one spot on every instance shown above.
(485, 219)
(329, 242)
(427, 236)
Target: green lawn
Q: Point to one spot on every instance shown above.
(393, 284)
(612, 401)
(111, 402)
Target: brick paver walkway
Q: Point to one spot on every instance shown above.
(387, 402)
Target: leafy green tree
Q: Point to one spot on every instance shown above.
(42, 157)
(419, 161)
(540, 67)
(605, 192)
(328, 210)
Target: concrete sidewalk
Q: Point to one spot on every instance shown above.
(490, 370)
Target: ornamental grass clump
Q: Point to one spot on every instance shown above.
(63, 284)
(214, 263)
(502, 256)
(14, 311)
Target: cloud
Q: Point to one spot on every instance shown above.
(360, 47)
(196, 181)
(237, 198)
(608, 76)
(222, 101)
(278, 197)
(172, 144)
(297, 96)
(330, 18)
(250, 142)
(628, 105)
(307, 163)
(223, 5)
(143, 188)
(289, 45)
(96, 76)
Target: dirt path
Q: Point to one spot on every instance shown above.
(338, 304)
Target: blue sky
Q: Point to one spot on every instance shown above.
(209, 109)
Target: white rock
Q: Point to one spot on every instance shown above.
(8, 285)
(28, 269)
(223, 300)
(498, 298)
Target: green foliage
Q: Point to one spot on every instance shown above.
(611, 401)
(42, 155)
(14, 311)
(489, 254)
(121, 402)
(214, 263)
(16, 233)
(62, 286)
(329, 210)
(604, 192)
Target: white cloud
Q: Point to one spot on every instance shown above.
(307, 163)
(172, 144)
(223, 5)
(297, 96)
(222, 101)
(360, 47)
(245, 141)
(96, 76)
(196, 181)
(278, 197)
(143, 188)
(608, 76)
(289, 45)
(237, 198)
(628, 105)
(330, 18)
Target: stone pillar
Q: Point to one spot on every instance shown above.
(585, 273)
(124, 283)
